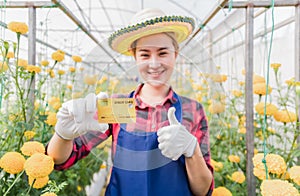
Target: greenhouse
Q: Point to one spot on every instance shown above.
(150, 97)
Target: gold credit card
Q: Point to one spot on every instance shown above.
(116, 110)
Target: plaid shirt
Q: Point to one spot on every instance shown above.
(148, 118)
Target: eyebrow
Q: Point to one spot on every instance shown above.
(146, 50)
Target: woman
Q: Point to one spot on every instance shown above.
(166, 152)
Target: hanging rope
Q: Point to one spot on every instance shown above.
(267, 89)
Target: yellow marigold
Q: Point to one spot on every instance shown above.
(18, 27)
(270, 108)
(216, 107)
(22, 63)
(241, 83)
(278, 187)
(51, 119)
(259, 173)
(54, 102)
(102, 166)
(3, 67)
(90, 79)
(51, 73)
(260, 89)
(76, 59)
(218, 78)
(29, 134)
(238, 177)
(38, 165)
(258, 79)
(49, 194)
(218, 166)
(242, 130)
(237, 93)
(234, 158)
(102, 80)
(44, 63)
(31, 147)
(197, 87)
(39, 182)
(10, 55)
(58, 56)
(275, 163)
(199, 97)
(81, 68)
(290, 82)
(295, 174)
(271, 130)
(33, 68)
(285, 116)
(275, 65)
(221, 191)
(69, 86)
(12, 162)
(60, 72)
(72, 69)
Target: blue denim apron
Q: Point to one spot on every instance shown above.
(140, 169)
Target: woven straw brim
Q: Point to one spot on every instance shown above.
(121, 42)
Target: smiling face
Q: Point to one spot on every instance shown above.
(155, 56)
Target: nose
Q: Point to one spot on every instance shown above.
(154, 63)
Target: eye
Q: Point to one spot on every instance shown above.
(163, 53)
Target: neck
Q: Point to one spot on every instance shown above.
(154, 94)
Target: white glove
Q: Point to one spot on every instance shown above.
(174, 140)
(76, 117)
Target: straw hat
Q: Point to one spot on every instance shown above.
(147, 22)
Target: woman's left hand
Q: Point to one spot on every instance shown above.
(174, 140)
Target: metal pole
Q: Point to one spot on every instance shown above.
(249, 98)
(297, 63)
(32, 61)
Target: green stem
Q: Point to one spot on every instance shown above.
(292, 147)
(10, 187)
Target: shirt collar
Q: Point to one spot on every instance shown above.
(170, 97)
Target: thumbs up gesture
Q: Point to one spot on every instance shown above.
(174, 140)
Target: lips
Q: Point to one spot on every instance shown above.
(155, 73)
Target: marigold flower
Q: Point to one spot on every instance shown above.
(31, 147)
(51, 119)
(290, 82)
(234, 158)
(295, 174)
(51, 73)
(278, 187)
(241, 83)
(285, 116)
(22, 63)
(33, 68)
(90, 79)
(260, 89)
(69, 86)
(218, 78)
(238, 177)
(237, 93)
(270, 108)
(12, 162)
(29, 134)
(48, 194)
(18, 27)
(199, 97)
(3, 67)
(39, 182)
(218, 166)
(38, 165)
(72, 69)
(216, 107)
(275, 66)
(58, 56)
(54, 102)
(221, 191)
(242, 130)
(275, 163)
(10, 55)
(271, 130)
(259, 173)
(102, 80)
(60, 72)
(44, 63)
(76, 59)
(258, 79)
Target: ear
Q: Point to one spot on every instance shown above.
(176, 54)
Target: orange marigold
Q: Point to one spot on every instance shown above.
(278, 187)
(221, 191)
(31, 147)
(275, 163)
(90, 79)
(39, 165)
(18, 27)
(12, 162)
(51, 119)
(54, 102)
(216, 107)
(58, 56)
(270, 108)
(22, 63)
(76, 59)
(39, 182)
(295, 174)
(234, 158)
(285, 116)
(33, 68)
(29, 134)
(44, 63)
(3, 67)
(72, 69)
(258, 79)
(218, 166)
(238, 177)
(48, 194)
(218, 78)
(260, 89)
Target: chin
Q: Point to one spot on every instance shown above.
(157, 83)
